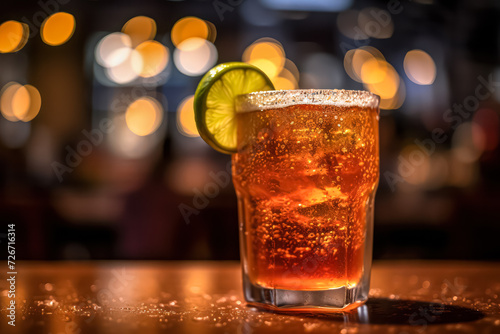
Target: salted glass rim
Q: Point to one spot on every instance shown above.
(272, 99)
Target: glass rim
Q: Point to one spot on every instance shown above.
(270, 99)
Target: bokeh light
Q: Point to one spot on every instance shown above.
(282, 83)
(267, 66)
(397, 100)
(155, 57)
(58, 28)
(13, 36)
(355, 59)
(144, 116)
(124, 64)
(20, 103)
(376, 22)
(35, 103)
(191, 27)
(363, 55)
(420, 67)
(285, 80)
(368, 65)
(292, 68)
(347, 22)
(128, 70)
(266, 54)
(388, 79)
(212, 31)
(348, 65)
(185, 118)
(113, 49)
(374, 71)
(6, 105)
(126, 144)
(140, 29)
(195, 56)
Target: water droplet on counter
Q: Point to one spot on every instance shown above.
(310, 326)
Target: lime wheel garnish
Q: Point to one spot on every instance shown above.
(214, 106)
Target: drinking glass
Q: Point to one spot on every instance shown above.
(305, 173)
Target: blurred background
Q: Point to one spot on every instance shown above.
(99, 153)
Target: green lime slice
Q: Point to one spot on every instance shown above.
(214, 109)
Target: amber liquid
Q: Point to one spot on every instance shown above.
(304, 176)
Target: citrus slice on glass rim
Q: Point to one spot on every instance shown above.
(214, 108)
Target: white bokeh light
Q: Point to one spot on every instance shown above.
(195, 56)
(128, 70)
(113, 49)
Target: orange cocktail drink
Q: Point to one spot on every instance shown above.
(306, 171)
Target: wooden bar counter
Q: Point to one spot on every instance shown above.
(206, 297)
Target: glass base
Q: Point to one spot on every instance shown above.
(340, 299)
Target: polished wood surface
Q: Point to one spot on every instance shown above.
(206, 297)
